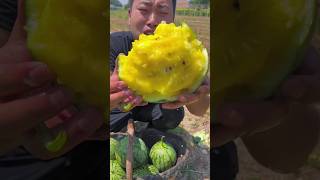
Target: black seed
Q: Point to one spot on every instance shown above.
(183, 62)
(236, 4)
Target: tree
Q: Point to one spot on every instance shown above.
(200, 3)
(115, 3)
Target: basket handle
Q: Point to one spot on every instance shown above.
(130, 131)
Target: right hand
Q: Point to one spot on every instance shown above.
(119, 92)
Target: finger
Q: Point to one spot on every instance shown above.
(303, 88)
(190, 98)
(19, 77)
(23, 114)
(116, 86)
(173, 105)
(78, 129)
(203, 90)
(137, 100)
(81, 126)
(18, 32)
(117, 98)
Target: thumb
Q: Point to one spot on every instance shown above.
(18, 31)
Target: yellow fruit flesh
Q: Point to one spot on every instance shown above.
(256, 44)
(162, 66)
(71, 37)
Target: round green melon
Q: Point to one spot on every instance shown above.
(140, 152)
(116, 171)
(162, 66)
(163, 155)
(146, 170)
(257, 44)
(114, 144)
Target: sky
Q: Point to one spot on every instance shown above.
(124, 1)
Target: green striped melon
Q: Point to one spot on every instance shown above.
(114, 144)
(140, 152)
(146, 170)
(116, 171)
(163, 155)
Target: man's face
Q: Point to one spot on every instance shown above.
(145, 15)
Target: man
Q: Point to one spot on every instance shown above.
(144, 16)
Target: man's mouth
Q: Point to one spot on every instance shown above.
(148, 32)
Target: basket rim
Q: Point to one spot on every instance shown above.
(171, 172)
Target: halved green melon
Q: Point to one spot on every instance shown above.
(161, 66)
(71, 38)
(256, 44)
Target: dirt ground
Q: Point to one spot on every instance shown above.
(198, 167)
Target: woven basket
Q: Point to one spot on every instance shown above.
(150, 137)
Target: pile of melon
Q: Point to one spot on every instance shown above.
(161, 157)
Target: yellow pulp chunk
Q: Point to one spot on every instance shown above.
(71, 38)
(161, 66)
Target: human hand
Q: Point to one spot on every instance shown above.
(120, 94)
(190, 98)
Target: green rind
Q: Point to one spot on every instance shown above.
(163, 156)
(140, 152)
(114, 145)
(146, 170)
(116, 171)
(58, 143)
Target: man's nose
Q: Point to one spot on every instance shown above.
(153, 21)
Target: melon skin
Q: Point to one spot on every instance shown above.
(163, 155)
(114, 144)
(147, 170)
(71, 38)
(140, 152)
(162, 66)
(256, 45)
(116, 171)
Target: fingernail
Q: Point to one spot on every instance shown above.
(38, 74)
(128, 93)
(136, 100)
(127, 100)
(60, 98)
(121, 85)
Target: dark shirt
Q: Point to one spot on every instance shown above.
(87, 161)
(120, 42)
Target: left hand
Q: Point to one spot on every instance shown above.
(190, 98)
